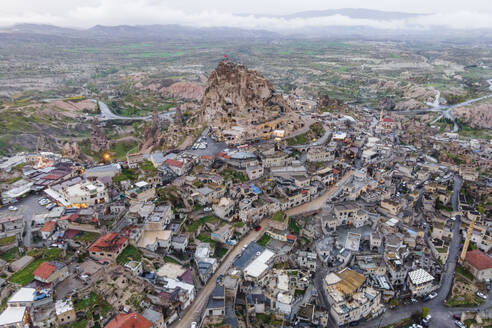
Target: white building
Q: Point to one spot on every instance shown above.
(254, 172)
(224, 209)
(284, 303)
(155, 239)
(259, 265)
(420, 282)
(17, 317)
(82, 194)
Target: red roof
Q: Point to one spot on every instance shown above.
(71, 217)
(44, 270)
(478, 259)
(223, 155)
(70, 233)
(173, 162)
(48, 226)
(130, 320)
(207, 157)
(291, 237)
(335, 171)
(50, 177)
(109, 242)
(388, 119)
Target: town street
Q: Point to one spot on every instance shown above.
(442, 316)
(193, 313)
(319, 202)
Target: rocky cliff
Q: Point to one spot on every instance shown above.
(184, 90)
(478, 115)
(236, 95)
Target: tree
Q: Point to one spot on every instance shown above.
(425, 311)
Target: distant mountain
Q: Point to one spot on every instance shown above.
(43, 29)
(143, 32)
(356, 13)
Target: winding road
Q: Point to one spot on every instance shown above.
(445, 110)
(442, 316)
(107, 114)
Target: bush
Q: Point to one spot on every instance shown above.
(279, 216)
(129, 253)
(263, 240)
(425, 311)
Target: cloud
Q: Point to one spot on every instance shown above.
(139, 12)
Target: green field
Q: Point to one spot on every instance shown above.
(25, 275)
(194, 226)
(10, 255)
(88, 237)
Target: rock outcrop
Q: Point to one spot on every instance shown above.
(478, 115)
(184, 90)
(325, 103)
(71, 150)
(44, 144)
(386, 104)
(99, 142)
(236, 95)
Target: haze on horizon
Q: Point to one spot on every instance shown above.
(472, 14)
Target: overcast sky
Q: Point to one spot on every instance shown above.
(85, 13)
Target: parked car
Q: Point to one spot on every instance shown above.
(481, 295)
(207, 209)
(432, 295)
(44, 201)
(257, 228)
(13, 208)
(459, 324)
(194, 325)
(50, 206)
(426, 320)
(457, 316)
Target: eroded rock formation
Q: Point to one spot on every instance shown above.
(99, 142)
(236, 95)
(71, 150)
(243, 100)
(184, 90)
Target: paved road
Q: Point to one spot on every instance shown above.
(441, 315)
(318, 142)
(319, 202)
(446, 111)
(196, 308)
(107, 114)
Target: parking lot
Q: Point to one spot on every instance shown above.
(28, 207)
(213, 147)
